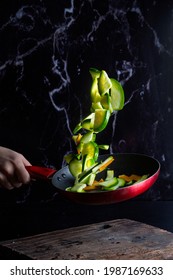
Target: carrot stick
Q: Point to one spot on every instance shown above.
(132, 177)
(106, 164)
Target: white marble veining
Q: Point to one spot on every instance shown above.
(46, 51)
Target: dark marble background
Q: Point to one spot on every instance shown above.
(46, 50)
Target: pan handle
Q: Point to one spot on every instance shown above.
(38, 172)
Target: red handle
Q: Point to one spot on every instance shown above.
(38, 172)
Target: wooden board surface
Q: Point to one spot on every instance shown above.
(117, 239)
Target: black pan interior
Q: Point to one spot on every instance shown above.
(123, 164)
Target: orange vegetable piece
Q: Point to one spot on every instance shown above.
(94, 186)
(91, 188)
(77, 138)
(106, 164)
(132, 177)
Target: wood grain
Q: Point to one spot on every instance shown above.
(112, 240)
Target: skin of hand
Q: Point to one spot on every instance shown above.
(13, 173)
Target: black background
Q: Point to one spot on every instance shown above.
(46, 50)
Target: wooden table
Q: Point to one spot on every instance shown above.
(112, 240)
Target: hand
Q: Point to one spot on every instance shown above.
(13, 173)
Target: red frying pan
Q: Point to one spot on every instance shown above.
(123, 164)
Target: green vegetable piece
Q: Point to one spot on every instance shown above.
(87, 162)
(121, 182)
(106, 102)
(106, 96)
(117, 95)
(85, 179)
(130, 183)
(95, 106)
(101, 119)
(104, 83)
(77, 128)
(101, 166)
(91, 150)
(103, 147)
(68, 157)
(95, 73)
(87, 171)
(75, 167)
(95, 95)
(118, 184)
(84, 163)
(87, 137)
(110, 174)
(78, 187)
(108, 183)
(88, 122)
(144, 177)
(91, 179)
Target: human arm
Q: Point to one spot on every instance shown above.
(13, 173)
